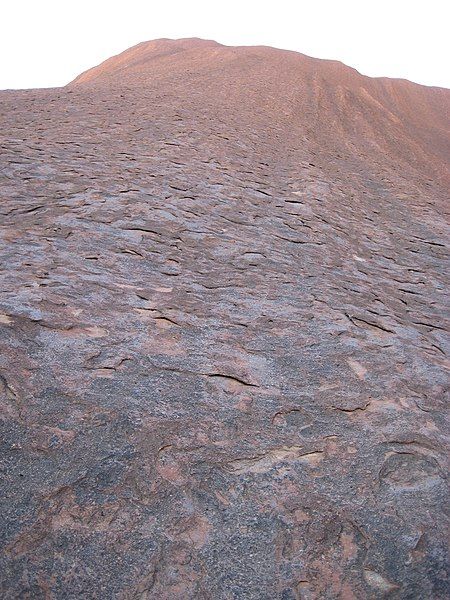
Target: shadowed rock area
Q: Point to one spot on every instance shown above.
(223, 331)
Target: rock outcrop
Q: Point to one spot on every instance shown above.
(223, 330)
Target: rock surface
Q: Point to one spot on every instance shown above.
(223, 310)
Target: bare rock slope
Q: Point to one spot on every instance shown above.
(223, 330)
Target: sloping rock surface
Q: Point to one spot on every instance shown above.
(223, 316)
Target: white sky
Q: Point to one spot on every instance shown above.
(45, 43)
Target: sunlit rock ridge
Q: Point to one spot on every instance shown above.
(223, 330)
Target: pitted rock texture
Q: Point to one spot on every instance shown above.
(223, 331)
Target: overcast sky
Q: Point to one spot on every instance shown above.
(45, 43)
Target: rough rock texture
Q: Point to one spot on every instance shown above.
(223, 331)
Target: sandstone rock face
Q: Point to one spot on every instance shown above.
(223, 303)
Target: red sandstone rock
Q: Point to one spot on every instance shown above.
(223, 327)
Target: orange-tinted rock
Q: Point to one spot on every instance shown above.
(223, 342)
